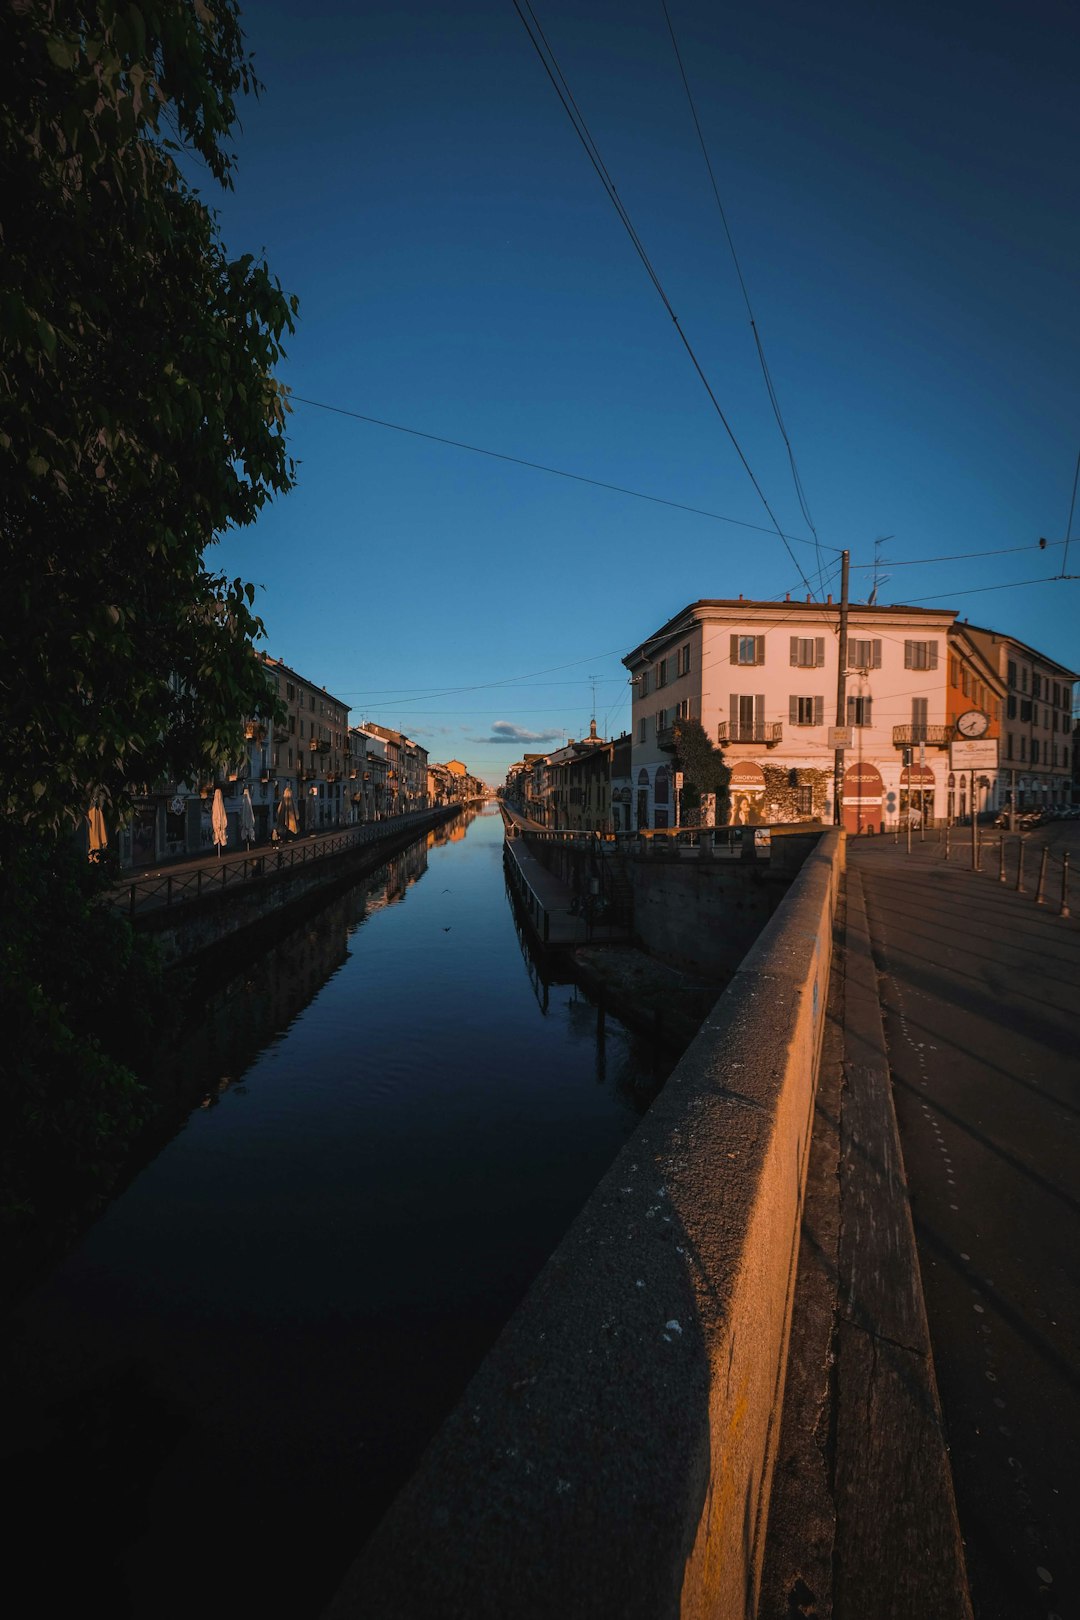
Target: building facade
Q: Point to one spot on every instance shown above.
(1036, 728)
(762, 677)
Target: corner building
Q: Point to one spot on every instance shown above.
(762, 679)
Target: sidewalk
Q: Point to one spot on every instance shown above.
(956, 1019)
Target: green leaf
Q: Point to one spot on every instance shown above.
(62, 53)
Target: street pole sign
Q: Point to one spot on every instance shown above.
(974, 756)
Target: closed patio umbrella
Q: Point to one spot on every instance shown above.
(219, 822)
(247, 819)
(287, 812)
(99, 838)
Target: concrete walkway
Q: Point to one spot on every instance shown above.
(939, 1255)
(980, 991)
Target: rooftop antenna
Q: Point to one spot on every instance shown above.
(879, 578)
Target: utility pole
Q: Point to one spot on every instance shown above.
(841, 692)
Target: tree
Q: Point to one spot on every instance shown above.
(142, 417)
(703, 766)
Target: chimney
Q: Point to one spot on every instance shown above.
(828, 600)
(809, 599)
(787, 598)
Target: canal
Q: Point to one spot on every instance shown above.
(211, 1401)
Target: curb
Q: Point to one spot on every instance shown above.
(898, 1549)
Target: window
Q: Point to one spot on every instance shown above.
(683, 710)
(965, 681)
(806, 711)
(1034, 750)
(1023, 747)
(1012, 672)
(954, 672)
(645, 683)
(684, 660)
(661, 674)
(919, 710)
(864, 654)
(920, 655)
(663, 719)
(808, 652)
(1008, 744)
(859, 711)
(1024, 679)
(641, 728)
(804, 801)
(1025, 708)
(1011, 707)
(748, 649)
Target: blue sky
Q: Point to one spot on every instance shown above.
(901, 188)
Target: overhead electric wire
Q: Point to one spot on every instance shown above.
(1072, 509)
(957, 556)
(1010, 585)
(538, 466)
(766, 374)
(562, 90)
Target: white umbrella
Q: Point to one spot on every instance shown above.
(247, 819)
(218, 822)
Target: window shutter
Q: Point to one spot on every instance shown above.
(875, 661)
(909, 662)
(759, 649)
(819, 711)
(851, 711)
(759, 710)
(793, 711)
(819, 651)
(795, 649)
(867, 706)
(734, 649)
(733, 715)
(932, 645)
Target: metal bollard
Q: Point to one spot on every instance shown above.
(1019, 866)
(948, 830)
(1040, 892)
(1065, 912)
(1001, 859)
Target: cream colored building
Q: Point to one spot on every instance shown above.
(762, 679)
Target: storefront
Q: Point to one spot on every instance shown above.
(864, 794)
(917, 786)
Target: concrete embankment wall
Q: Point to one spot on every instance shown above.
(613, 1455)
(198, 928)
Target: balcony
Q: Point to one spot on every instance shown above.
(766, 734)
(665, 738)
(911, 736)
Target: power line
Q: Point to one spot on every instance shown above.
(1072, 508)
(769, 387)
(1012, 585)
(562, 90)
(959, 556)
(538, 466)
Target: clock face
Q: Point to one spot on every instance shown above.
(973, 723)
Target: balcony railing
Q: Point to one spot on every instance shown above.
(766, 732)
(912, 735)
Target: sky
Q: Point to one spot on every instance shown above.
(900, 186)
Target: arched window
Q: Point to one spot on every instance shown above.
(660, 788)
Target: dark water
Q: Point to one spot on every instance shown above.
(212, 1400)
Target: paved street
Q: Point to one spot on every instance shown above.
(980, 994)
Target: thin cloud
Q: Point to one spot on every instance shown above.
(504, 731)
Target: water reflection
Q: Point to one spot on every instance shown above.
(216, 1395)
